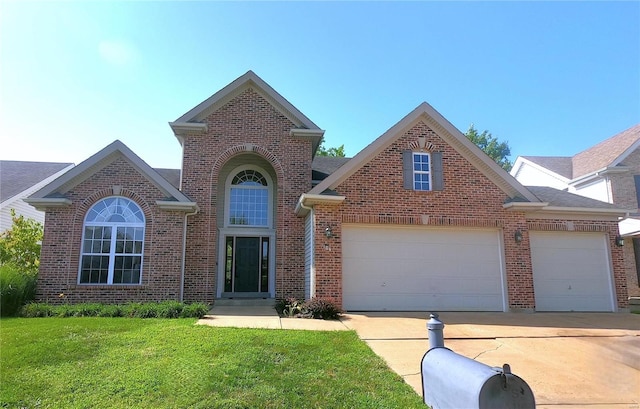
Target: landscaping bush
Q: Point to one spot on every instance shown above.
(322, 309)
(167, 309)
(17, 287)
(317, 308)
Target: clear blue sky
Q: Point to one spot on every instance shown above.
(551, 78)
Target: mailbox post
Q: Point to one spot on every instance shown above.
(450, 380)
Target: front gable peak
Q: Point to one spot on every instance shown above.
(247, 81)
(53, 194)
(426, 114)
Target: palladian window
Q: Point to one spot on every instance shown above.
(112, 243)
(249, 199)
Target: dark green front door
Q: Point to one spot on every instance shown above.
(247, 271)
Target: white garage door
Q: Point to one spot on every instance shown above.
(571, 271)
(420, 269)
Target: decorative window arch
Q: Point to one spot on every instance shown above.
(112, 243)
(249, 193)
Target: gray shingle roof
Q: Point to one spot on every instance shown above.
(562, 198)
(18, 176)
(323, 166)
(172, 176)
(561, 165)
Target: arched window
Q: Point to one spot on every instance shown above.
(249, 199)
(112, 243)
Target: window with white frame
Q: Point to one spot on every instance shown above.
(249, 199)
(112, 243)
(421, 171)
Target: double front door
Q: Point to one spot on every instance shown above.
(247, 264)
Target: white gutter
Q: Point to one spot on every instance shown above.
(43, 203)
(307, 200)
(184, 252)
(524, 206)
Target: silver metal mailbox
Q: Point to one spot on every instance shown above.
(450, 380)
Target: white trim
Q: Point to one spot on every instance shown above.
(44, 203)
(177, 206)
(521, 162)
(308, 200)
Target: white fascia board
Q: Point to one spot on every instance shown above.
(586, 210)
(171, 205)
(308, 200)
(629, 227)
(43, 204)
(524, 206)
(306, 133)
(589, 177)
(188, 128)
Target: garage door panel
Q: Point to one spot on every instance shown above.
(571, 271)
(390, 268)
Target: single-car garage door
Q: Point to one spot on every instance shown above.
(421, 269)
(571, 271)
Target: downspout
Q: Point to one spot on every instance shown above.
(184, 253)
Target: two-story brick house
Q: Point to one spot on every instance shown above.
(608, 171)
(421, 219)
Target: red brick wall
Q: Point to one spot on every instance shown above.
(247, 119)
(375, 194)
(62, 242)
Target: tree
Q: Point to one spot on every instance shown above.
(335, 152)
(498, 151)
(21, 244)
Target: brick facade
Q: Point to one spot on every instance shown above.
(375, 195)
(247, 125)
(249, 129)
(62, 242)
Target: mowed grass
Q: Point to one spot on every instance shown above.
(154, 363)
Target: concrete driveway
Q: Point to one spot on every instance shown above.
(568, 360)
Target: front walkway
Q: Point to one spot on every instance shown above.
(264, 317)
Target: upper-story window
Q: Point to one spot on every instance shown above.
(421, 171)
(112, 243)
(249, 193)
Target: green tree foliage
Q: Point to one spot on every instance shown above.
(498, 151)
(335, 152)
(20, 246)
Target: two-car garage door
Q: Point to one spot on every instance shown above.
(421, 269)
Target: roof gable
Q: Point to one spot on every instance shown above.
(246, 81)
(560, 165)
(445, 130)
(610, 152)
(57, 188)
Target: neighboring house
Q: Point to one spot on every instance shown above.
(608, 171)
(421, 219)
(18, 180)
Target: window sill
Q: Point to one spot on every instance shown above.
(107, 286)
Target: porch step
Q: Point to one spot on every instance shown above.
(245, 302)
(634, 304)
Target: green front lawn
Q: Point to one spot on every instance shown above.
(155, 363)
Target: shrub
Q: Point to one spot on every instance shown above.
(37, 310)
(322, 309)
(17, 288)
(317, 308)
(195, 310)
